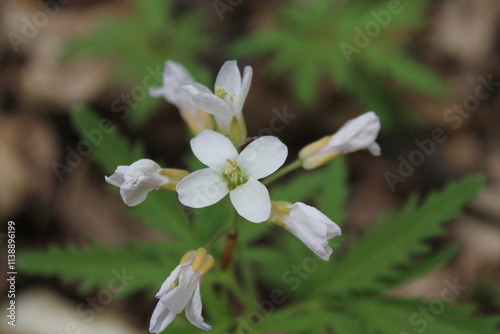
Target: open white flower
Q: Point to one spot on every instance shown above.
(174, 77)
(181, 291)
(308, 224)
(138, 179)
(231, 173)
(226, 103)
(358, 133)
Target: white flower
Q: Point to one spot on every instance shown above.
(138, 179)
(181, 291)
(308, 224)
(174, 77)
(226, 103)
(231, 173)
(358, 133)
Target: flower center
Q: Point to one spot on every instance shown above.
(233, 175)
(221, 92)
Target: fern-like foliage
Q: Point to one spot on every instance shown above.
(313, 41)
(141, 41)
(161, 211)
(391, 243)
(127, 270)
(342, 296)
(109, 149)
(418, 316)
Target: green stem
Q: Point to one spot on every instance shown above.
(232, 227)
(247, 275)
(234, 221)
(218, 236)
(285, 170)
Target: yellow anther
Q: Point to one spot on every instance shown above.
(187, 256)
(174, 284)
(233, 163)
(232, 97)
(198, 259)
(207, 264)
(220, 92)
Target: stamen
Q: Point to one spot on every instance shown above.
(233, 163)
(233, 175)
(220, 92)
(174, 284)
(187, 256)
(207, 264)
(198, 259)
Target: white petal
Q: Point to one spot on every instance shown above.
(262, 157)
(213, 149)
(193, 311)
(118, 176)
(374, 149)
(245, 87)
(229, 78)
(177, 299)
(133, 196)
(136, 180)
(201, 188)
(201, 88)
(167, 285)
(177, 72)
(160, 319)
(252, 201)
(156, 91)
(314, 215)
(313, 228)
(143, 173)
(212, 104)
(147, 168)
(356, 134)
(174, 76)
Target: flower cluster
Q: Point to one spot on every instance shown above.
(235, 165)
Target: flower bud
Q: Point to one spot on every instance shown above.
(356, 134)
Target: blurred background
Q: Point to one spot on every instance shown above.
(429, 69)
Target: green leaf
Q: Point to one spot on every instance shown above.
(332, 199)
(108, 147)
(329, 180)
(289, 321)
(150, 33)
(344, 324)
(313, 42)
(160, 210)
(386, 245)
(121, 271)
(414, 270)
(415, 316)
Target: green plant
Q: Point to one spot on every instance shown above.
(140, 42)
(360, 47)
(276, 281)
